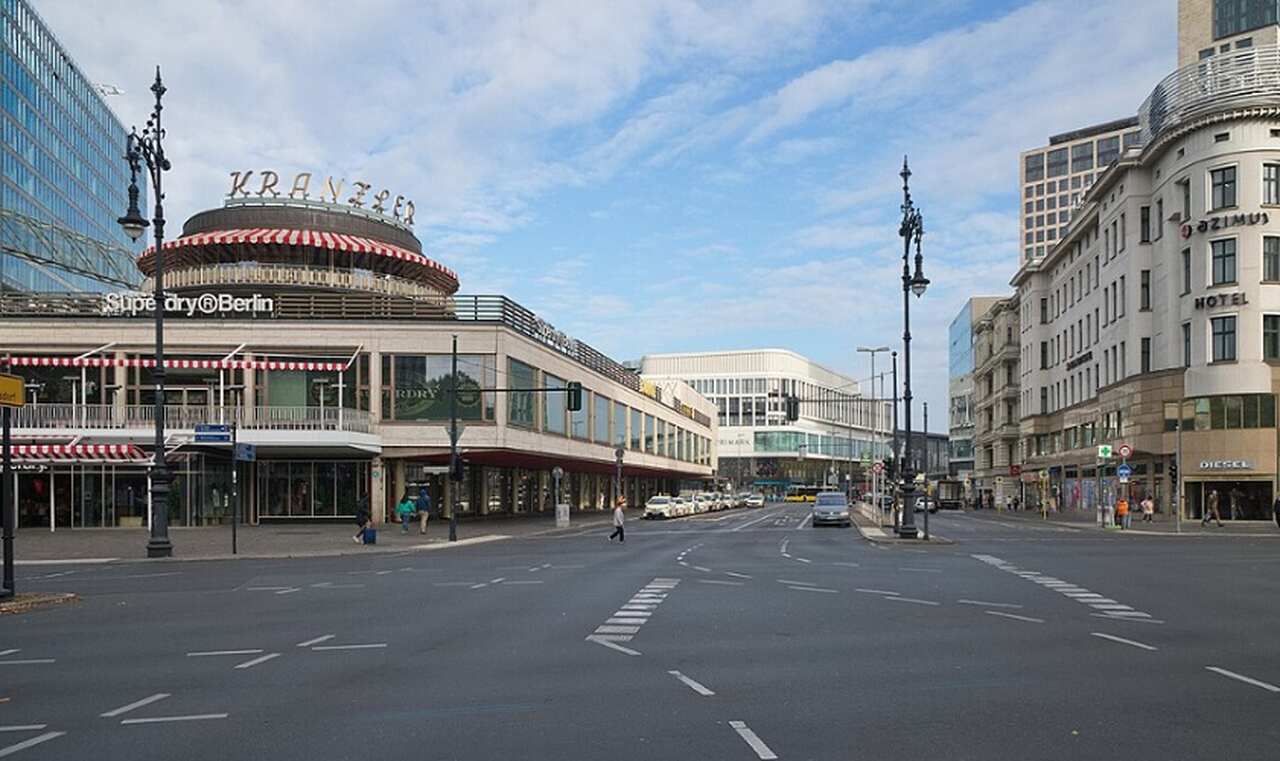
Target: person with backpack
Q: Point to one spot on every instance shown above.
(363, 517)
(424, 509)
(405, 512)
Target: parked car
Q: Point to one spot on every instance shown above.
(754, 500)
(831, 507)
(701, 504)
(659, 506)
(920, 505)
(680, 507)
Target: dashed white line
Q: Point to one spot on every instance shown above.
(539, 581)
(1136, 617)
(847, 564)
(368, 646)
(134, 705)
(1015, 616)
(1243, 678)
(451, 583)
(875, 591)
(204, 653)
(737, 575)
(921, 570)
(289, 591)
(27, 662)
(1123, 641)
(911, 600)
(691, 684)
(316, 641)
(10, 651)
(721, 582)
(804, 560)
(161, 719)
(10, 750)
(989, 604)
(798, 583)
(260, 659)
(813, 589)
(24, 728)
(702, 568)
(753, 740)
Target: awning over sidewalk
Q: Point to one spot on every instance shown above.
(75, 453)
(175, 364)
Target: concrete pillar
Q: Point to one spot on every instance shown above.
(397, 481)
(375, 386)
(377, 490)
(120, 378)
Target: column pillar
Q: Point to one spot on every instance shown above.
(375, 386)
(377, 490)
(397, 482)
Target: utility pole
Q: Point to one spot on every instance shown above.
(1177, 477)
(925, 471)
(455, 466)
(897, 461)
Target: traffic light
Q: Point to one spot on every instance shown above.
(1173, 471)
(457, 469)
(575, 396)
(793, 408)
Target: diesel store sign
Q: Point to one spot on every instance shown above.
(1226, 465)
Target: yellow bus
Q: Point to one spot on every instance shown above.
(802, 493)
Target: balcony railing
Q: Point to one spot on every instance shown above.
(1248, 77)
(180, 418)
(204, 277)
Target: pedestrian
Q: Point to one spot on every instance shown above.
(424, 509)
(1275, 511)
(619, 518)
(405, 511)
(1212, 510)
(1148, 509)
(1122, 512)
(363, 517)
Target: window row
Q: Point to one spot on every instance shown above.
(1211, 413)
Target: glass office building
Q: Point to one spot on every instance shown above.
(65, 181)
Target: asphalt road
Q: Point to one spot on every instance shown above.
(739, 635)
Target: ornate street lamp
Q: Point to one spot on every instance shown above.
(148, 149)
(911, 230)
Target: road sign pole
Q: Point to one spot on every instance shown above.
(7, 515)
(235, 489)
(454, 468)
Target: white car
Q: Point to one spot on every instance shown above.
(754, 500)
(701, 503)
(659, 506)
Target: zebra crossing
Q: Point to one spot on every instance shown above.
(625, 623)
(1103, 606)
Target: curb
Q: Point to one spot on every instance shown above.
(877, 535)
(26, 602)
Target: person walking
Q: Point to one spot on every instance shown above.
(363, 516)
(1212, 509)
(1148, 509)
(619, 518)
(424, 509)
(1122, 512)
(405, 512)
(1275, 511)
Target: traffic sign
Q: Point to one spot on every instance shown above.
(213, 433)
(246, 452)
(13, 392)
(1126, 451)
(1104, 451)
(1124, 471)
(878, 467)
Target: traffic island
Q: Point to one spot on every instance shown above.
(873, 530)
(22, 603)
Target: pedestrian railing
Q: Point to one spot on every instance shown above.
(185, 418)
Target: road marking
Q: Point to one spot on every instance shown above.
(786, 554)
(761, 519)
(316, 641)
(451, 583)
(27, 662)
(612, 645)
(813, 589)
(617, 629)
(921, 570)
(481, 585)
(331, 585)
(539, 581)
(24, 728)
(625, 621)
(634, 613)
(721, 582)
(1015, 616)
(256, 661)
(1123, 641)
(698, 688)
(753, 740)
(807, 518)
(1243, 678)
(30, 743)
(289, 591)
(911, 600)
(369, 646)
(148, 575)
(1067, 589)
(1136, 617)
(847, 564)
(9, 652)
(498, 580)
(702, 568)
(161, 719)
(989, 604)
(683, 563)
(783, 547)
(136, 704)
(737, 575)
(804, 560)
(798, 583)
(639, 606)
(266, 589)
(204, 653)
(875, 591)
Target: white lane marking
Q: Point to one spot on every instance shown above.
(921, 570)
(847, 564)
(875, 591)
(1109, 606)
(204, 653)
(1123, 641)
(1067, 589)
(617, 629)
(539, 581)
(191, 717)
(451, 583)
(683, 563)
(691, 684)
(1126, 613)
(702, 568)
(498, 580)
(634, 613)
(639, 606)
(256, 661)
(813, 589)
(721, 582)
(737, 575)
(148, 575)
(912, 600)
(804, 560)
(1134, 617)
(289, 591)
(136, 704)
(797, 583)
(786, 554)
(331, 585)
(481, 585)
(783, 547)
(1014, 616)
(10, 651)
(316, 641)
(27, 662)
(752, 523)
(625, 621)
(612, 645)
(807, 518)
(753, 740)
(1243, 678)
(989, 604)
(369, 646)
(24, 728)
(29, 743)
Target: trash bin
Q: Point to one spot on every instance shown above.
(562, 515)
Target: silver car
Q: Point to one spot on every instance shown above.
(831, 507)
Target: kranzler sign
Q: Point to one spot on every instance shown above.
(265, 183)
(130, 304)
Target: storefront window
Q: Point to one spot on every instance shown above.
(637, 429)
(619, 424)
(322, 489)
(521, 410)
(649, 434)
(554, 407)
(601, 420)
(418, 387)
(580, 421)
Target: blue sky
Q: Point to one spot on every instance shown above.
(653, 176)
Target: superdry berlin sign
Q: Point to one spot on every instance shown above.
(1209, 224)
(130, 304)
(267, 184)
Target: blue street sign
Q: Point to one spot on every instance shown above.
(1124, 471)
(246, 452)
(213, 433)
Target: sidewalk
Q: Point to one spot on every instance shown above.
(1163, 525)
(864, 519)
(33, 546)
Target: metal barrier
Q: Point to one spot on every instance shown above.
(180, 418)
(1248, 77)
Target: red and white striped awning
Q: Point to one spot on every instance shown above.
(175, 364)
(125, 453)
(316, 238)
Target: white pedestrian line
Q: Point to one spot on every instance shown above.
(813, 589)
(529, 581)
(613, 645)
(256, 661)
(1135, 617)
(368, 646)
(136, 704)
(691, 684)
(289, 591)
(162, 719)
(617, 629)
(27, 662)
(1015, 616)
(10, 750)
(737, 575)
(875, 591)
(989, 604)
(847, 564)
(921, 570)
(10, 651)
(721, 582)
(683, 563)
(911, 600)
(1123, 641)
(634, 613)
(24, 728)
(317, 640)
(1243, 678)
(797, 583)
(753, 740)
(625, 621)
(702, 568)
(804, 560)
(1079, 594)
(498, 580)
(203, 653)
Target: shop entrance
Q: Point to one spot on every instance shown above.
(1237, 500)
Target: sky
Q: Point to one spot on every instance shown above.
(652, 175)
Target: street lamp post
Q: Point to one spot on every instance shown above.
(875, 416)
(897, 455)
(912, 229)
(148, 149)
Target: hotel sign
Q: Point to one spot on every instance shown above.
(1222, 222)
(266, 184)
(129, 304)
(1221, 300)
(1226, 465)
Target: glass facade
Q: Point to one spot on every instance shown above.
(62, 160)
(1237, 16)
(416, 387)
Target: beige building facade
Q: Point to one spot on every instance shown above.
(997, 407)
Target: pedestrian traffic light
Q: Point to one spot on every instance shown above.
(575, 396)
(457, 470)
(1173, 471)
(793, 408)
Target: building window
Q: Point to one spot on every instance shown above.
(1144, 224)
(1058, 162)
(521, 405)
(416, 387)
(1108, 150)
(1146, 355)
(1271, 336)
(620, 424)
(1186, 344)
(1271, 258)
(1144, 293)
(1158, 232)
(1224, 338)
(1223, 188)
(1224, 261)
(1186, 199)
(1081, 159)
(1034, 167)
(1271, 183)
(1123, 234)
(1122, 297)
(554, 407)
(1186, 271)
